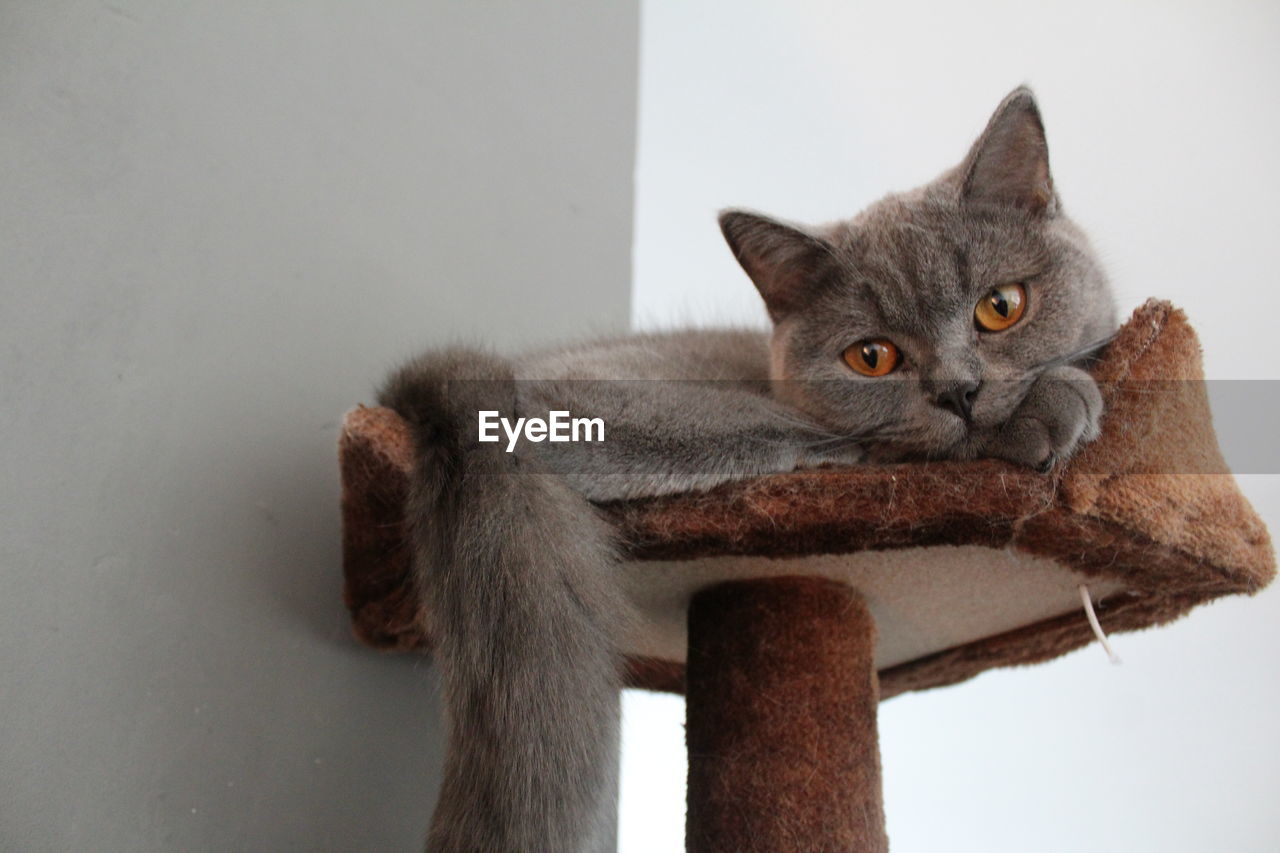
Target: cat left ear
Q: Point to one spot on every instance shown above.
(783, 261)
(1009, 164)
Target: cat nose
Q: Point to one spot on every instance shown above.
(958, 397)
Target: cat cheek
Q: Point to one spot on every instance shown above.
(988, 417)
(940, 432)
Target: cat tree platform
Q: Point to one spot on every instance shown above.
(786, 607)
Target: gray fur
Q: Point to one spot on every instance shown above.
(517, 565)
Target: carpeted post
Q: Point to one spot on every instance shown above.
(781, 720)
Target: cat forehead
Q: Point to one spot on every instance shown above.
(874, 305)
(921, 275)
(934, 244)
(897, 229)
(892, 267)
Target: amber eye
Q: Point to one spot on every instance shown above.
(872, 358)
(1001, 308)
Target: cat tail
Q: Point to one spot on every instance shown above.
(519, 578)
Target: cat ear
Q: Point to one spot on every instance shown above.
(783, 261)
(1009, 164)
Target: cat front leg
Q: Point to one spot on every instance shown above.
(668, 437)
(1062, 411)
(831, 454)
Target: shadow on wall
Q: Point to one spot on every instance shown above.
(367, 764)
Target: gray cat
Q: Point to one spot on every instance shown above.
(941, 323)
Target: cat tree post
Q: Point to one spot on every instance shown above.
(781, 719)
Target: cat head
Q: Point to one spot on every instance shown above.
(928, 315)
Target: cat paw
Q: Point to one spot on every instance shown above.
(1061, 412)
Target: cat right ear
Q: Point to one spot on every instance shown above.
(1009, 164)
(783, 261)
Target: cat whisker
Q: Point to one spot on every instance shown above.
(1085, 351)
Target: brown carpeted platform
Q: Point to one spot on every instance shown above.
(964, 566)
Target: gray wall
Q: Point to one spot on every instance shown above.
(220, 223)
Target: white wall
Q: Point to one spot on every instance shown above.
(220, 224)
(1164, 123)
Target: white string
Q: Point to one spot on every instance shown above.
(1095, 625)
